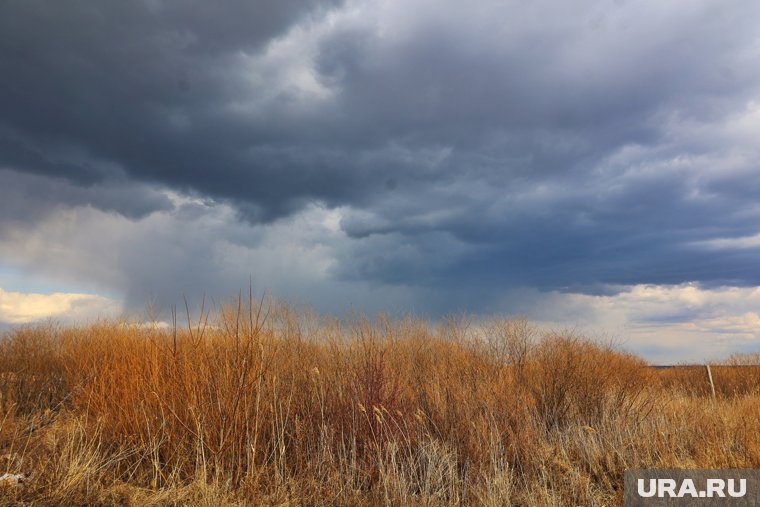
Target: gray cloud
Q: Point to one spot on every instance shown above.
(28, 197)
(466, 149)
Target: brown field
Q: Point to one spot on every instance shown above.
(282, 407)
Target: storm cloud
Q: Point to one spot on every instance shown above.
(441, 154)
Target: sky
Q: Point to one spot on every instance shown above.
(587, 164)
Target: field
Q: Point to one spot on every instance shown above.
(264, 404)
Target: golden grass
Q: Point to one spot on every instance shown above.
(262, 404)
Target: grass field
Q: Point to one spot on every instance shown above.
(264, 404)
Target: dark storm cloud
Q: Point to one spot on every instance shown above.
(28, 198)
(141, 85)
(483, 146)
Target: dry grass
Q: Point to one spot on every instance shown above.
(262, 404)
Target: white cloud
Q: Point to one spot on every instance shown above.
(23, 308)
(663, 323)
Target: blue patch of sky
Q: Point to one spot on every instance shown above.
(17, 279)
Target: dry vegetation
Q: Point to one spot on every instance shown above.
(266, 405)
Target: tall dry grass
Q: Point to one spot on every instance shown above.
(265, 404)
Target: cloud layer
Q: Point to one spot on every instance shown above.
(23, 308)
(429, 155)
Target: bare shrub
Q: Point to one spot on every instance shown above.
(263, 403)
(573, 380)
(32, 373)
